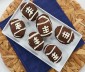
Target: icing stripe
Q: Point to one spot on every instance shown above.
(14, 22)
(70, 37)
(60, 40)
(33, 15)
(39, 45)
(43, 17)
(58, 59)
(19, 31)
(46, 47)
(46, 34)
(23, 7)
(33, 35)
(43, 22)
(51, 51)
(59, 32)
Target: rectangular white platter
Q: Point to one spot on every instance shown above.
(31, 26)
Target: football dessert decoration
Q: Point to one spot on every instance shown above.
(36, 41)
(43, 23)
(29, 10)
(53, 53)
(64, 34)
(17, 27)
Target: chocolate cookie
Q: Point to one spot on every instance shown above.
(29, 10)
(43, 23)
(36, 41)
(53, 53)
(64, 34)
(17, 27)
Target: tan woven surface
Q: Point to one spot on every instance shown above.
(9, 56)
(76, 16)
(10, 9)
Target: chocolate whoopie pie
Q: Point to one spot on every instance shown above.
(36, 41)
(64, 34)
(17, 27)
(53, 53)
(44, 25)
(29, 10)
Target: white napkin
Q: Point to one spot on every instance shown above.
(3, 67)
(3, 5)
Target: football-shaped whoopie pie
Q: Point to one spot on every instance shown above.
(44, 25)
(36, 41)
(17, 27)
(64, 34)
(29, 10)
(53, 53)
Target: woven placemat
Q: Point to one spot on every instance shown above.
(10, 9)
(9, 56)
(75, 14)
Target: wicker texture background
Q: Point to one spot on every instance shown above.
(9, 56)
(75, 14)
(10, 9)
